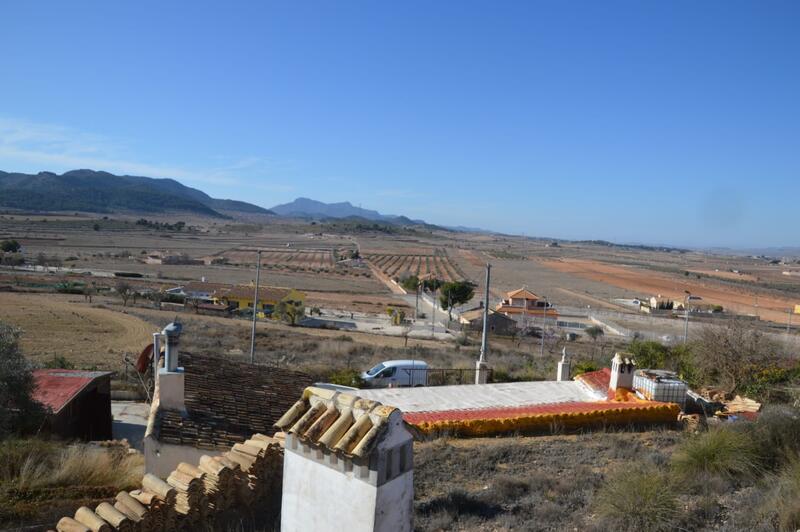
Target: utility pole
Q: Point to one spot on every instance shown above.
(255, 310)
(416, 302)
(482, 366)
(789, 324)
(544, 320)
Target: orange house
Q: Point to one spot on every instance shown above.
(523, 302)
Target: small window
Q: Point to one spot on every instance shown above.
(388, 372)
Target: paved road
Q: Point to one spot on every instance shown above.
(130, 421)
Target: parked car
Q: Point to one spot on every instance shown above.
(396, 373)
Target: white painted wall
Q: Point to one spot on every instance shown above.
(320, 498)
(161, 459)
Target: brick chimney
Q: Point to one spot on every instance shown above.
(622, 368)
(170, 377)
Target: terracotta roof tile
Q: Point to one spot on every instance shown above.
(341, 422)
(227, 401)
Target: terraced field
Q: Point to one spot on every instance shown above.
(437, 264)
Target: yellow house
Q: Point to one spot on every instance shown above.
(242, 297)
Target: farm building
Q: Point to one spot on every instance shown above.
(498, 323)
(241, 297)
(79, 402)
(605, 397)
(205, 403)
(523, 303)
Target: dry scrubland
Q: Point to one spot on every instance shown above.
(303, 256)
(743, 476)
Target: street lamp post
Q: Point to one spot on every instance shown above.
(686, 317)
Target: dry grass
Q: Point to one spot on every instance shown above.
(81, 465)
(638, 498)
(724, 452)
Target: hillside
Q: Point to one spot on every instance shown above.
(102, 192)
(317, 210)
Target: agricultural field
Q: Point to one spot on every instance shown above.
(61, 325)
(437, 264)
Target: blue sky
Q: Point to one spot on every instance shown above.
(662, 122)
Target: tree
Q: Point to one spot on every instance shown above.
(19, 412)
(290, 311)
(431, 285)
(594, 332)
(125, 291)
(410, 283)
(729, 356)
(455, 293)
(10, 246)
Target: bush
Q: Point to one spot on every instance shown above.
(781, 507)
(585, 367)
(59, 362)
(18, 411)
(777, 433)
(346, 377)
(725, 452)
(638, 498)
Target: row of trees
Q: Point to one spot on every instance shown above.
(451, 293)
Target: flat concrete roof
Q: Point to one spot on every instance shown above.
(481, 396)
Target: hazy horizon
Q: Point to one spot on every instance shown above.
(673, 124)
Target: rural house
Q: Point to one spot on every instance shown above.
(498, 323)
(241, 297)
(522, 303)
(204, 404)
(605, 397)
(79, 402)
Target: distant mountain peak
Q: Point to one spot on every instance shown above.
(310, 208)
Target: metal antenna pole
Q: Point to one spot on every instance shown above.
(485, 333)
(433, 314)
(255, 310)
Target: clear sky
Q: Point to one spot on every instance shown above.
(673, 122)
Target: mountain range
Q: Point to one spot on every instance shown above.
(102, 192)
(316, 210)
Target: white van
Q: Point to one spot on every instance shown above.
(396, 373)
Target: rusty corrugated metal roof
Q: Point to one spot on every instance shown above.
(55, 388)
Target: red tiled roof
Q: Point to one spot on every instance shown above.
(55, 388)
(598, 380)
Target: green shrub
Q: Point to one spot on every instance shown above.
(584, 366)
(725, 452)
(346, 377)
(638, 498)
(59, 362)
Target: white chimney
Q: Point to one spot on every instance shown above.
(622, 372)
(563, 367)
(170, 377)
